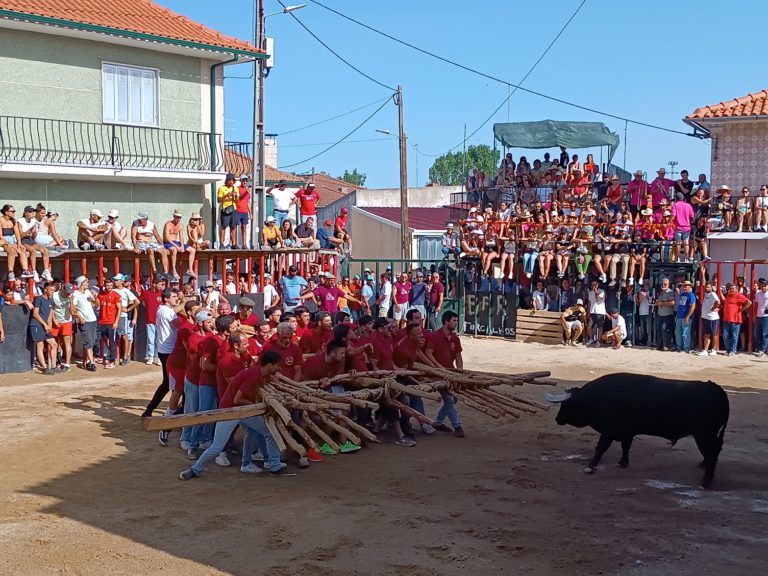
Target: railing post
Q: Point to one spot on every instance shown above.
(112, 146)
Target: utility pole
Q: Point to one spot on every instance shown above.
(259, 172)
(405, 237)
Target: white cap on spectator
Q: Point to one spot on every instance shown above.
(471, 210)
(580, 302)
(271, 219)
(449, 225)
(723, 187)
(79, 281)
(96, 212)
(143, 215)
(479, 232)
(113, 213)
(480, 219)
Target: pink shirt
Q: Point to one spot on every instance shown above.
(402, 291)
(637, 191)
(659, 189)
(682, 214)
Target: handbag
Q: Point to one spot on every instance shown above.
(229, 210)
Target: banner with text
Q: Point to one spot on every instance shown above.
(490, 314)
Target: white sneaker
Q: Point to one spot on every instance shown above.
(222, 459)
(603, 278)
(712, 352)
(760, 354)
(184, 445)
(47, 276)
(157, 362)
(303, 462)
(631, 281)
(703, 353)
(148, 362)
(427, 428)
(250, 469)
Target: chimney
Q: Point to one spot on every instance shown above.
(270, 150)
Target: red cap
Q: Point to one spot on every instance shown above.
(345, 210)
(327, 222)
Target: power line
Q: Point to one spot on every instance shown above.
(345, 142)
(332, 51)
(333, 117)
(355, 129)
(495, 78)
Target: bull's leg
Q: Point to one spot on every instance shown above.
(707, 444)
(603, 444)
(625, 446)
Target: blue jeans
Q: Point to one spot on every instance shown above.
(529, 261)
(448, 409)
(190, 405)
(731, 336)
(663, 329)
(105, 331)
(417, 403)
(683, 335)
(446, 251)
(761, 334)
(280, 217)
(256, 435)
(207, 399)
(151, 342)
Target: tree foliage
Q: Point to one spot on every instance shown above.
(355, 178)
(451, 169)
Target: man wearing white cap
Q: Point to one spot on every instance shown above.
(116, 235)
(90, 231)
(450, 241)
(146, 240)
(660, 188)
(82, 301)
(128, 316)
(637, 190)
(573, 320)
(173, 241)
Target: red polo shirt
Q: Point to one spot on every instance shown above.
(248, 380)
(230, 364)
(316, 368)
(382, 351)
(291, 357)
(444, 349)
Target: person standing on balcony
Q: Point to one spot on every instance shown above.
(243, 213)
(308, 198)
(283, 200)
(227, 196)
(173, 241)
(90, 231)
(146, 240)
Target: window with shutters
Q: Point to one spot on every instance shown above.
(130, 95)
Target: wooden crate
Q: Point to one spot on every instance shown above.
(543, 327)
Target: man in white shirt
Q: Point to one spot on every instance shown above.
(127, 322)
(597, 312)
(618, 332)
(82, 301)
(761, 318)
(384, 301)
(710, 320)
(90, 231)
(116, 235)
(283, 200)
(450, 241)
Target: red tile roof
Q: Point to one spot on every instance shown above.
(141, 16)
(418, 218)
(329, 188)
(750, 105)
(239, 164)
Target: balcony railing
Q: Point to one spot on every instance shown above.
(87, 144)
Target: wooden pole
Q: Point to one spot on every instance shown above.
(155, 423)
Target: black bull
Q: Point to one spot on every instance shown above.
(622, 406)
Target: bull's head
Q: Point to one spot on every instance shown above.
(572, 411)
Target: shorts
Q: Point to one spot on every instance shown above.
(571, 324)
(38, 334)
(144, 246)
(400, 315)
(489, 249)
(227, 220)
(62, 330)
(170, 245)
(176, 378)
(124, 328)
(28, 242)
(88, 330)
(241, 218)
(383, 311)
(710, 327)
(681, 236)
(10, 239)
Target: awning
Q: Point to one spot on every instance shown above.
(552, 133)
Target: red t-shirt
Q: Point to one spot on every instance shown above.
(230, 364)
(434, 293)
(251, 320)
(302, 331)
(291, 355)
(194, 348)
(244, 202)
(316, 368)
(732, 307)
(249, 381)
(405, 352)
(358, 361)
(382, 351)
(255, 346)
(178, 357)
(341, 223)
(444, 349)
(307, 202)
(315, 341)
(108, 302)
(212, 346)
(402, 292)
(152, 301)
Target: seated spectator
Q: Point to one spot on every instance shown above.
(573, 320)
(90, 231)
(287, 234)
(10, 243)
(116, 235)
(270, 234)
(340, 229)
(327, 241)
(305, 233)
(146, 240)
(28, 228)
(618, 332)
(209, 296)
(173, 241)
(761, 210)
(196, 232)
(46, 233)
(743, 211)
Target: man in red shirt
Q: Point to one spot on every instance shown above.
(320, 335)
(243, 212)
(444, 349)
(110, 308)
(435, 301)
(308, 198)
(325, 365)
(245, 389)
(245, 312)
(196, 400)
(734, 304)
(303, 323)
(292, 358)
(340, 229)
(234, 360)
(402, 291)
(151, 300)
(259, 339)
(328, 294)
(408, 349)
(382, 356)
(356, 351)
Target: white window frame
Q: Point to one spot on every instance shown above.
(128, 68)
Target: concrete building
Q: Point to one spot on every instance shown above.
(111, 108)
(739, 132)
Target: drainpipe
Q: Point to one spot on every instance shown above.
(214, 231)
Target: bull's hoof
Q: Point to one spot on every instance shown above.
(623, 463)
(589, 470)
(706, 482)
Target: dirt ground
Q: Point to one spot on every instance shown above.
(84, 491)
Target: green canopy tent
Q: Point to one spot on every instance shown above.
(553, 133)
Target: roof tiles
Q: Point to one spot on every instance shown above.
(750, 105)
(418, 218)
(142, 16)
(329, 188)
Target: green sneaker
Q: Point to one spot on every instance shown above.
(349, 447)
(327, 450)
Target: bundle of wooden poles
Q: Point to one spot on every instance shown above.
(325, 416)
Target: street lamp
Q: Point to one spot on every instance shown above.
(259, 171)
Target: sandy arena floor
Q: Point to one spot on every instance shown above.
(84, 491)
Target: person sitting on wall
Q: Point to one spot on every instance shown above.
(196, 232)
(305, 232)
(90, 231)
(116, 235)
(173, 241)
(146, 240)
(340, 229)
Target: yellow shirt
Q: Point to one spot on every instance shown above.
(227, 192)
(270, 232)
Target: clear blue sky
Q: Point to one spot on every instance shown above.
(654, 61)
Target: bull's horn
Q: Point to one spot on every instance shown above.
(556, 398)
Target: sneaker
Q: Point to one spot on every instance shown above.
(35, 277)
(427, 428)
(187, 474)
(11, 276)
(222, 460)
(184, 445)
(327, 450)
(206, 445)
(458, 432)
(528, 274)
(441, 427)
(192, 453)
(462, 254)
(109, 365)
(405, 441)
(91, 367)
(348, 447)
(731, 354)
(66, 367)
(148, 362)
(703, 353)
(157, 362)
(581, 276)
(46, 275)
(257, 456)
(760, 354)
(566, 342)
(48, 372)
(314, 456)
(250, 469)
(162, 438)
(712, 352)
(603, 278)
(124, 361)
(612, 282)
(303, 462)
(27, 274)
(631, 281)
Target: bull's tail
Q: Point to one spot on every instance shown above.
(721, 432)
